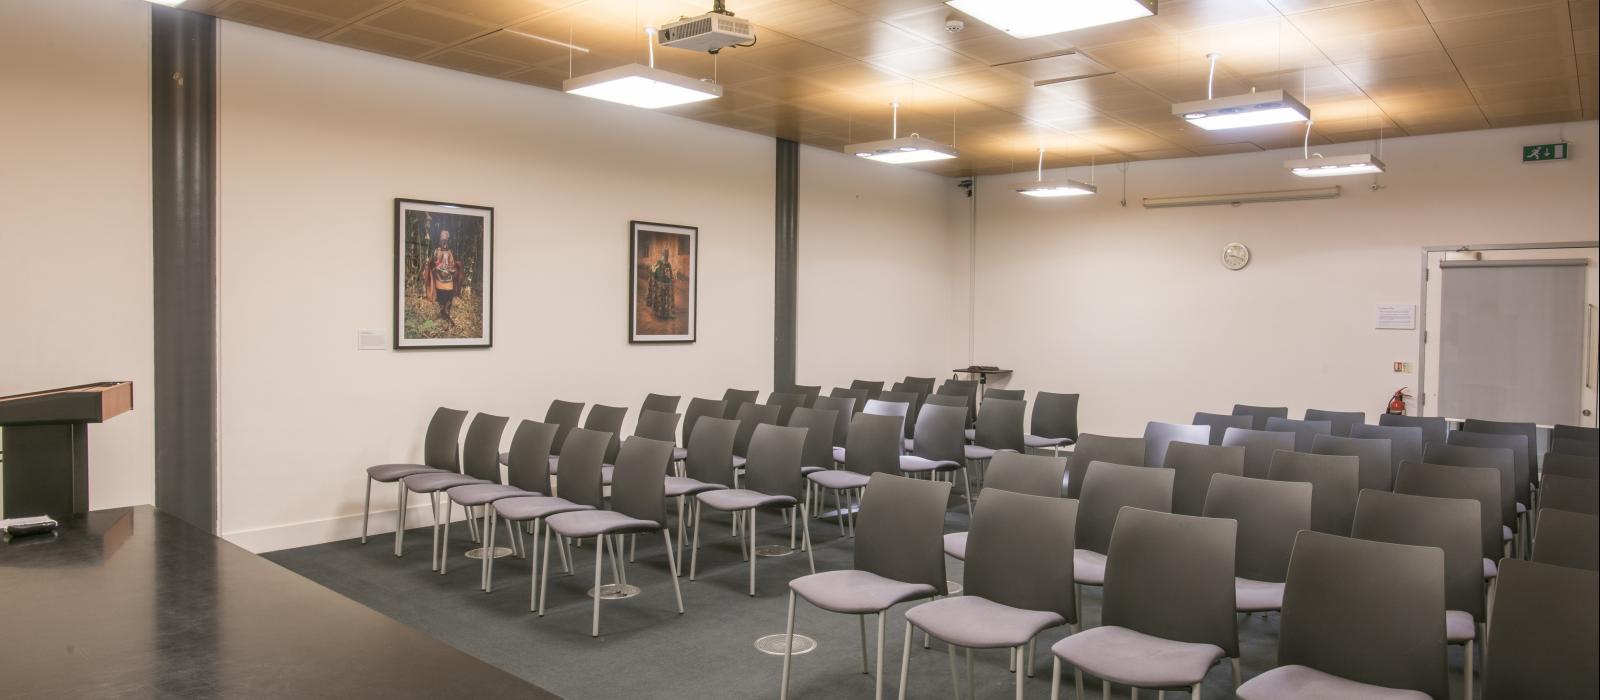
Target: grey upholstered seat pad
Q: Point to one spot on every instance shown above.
(909, 463)
(1121, 655)
(909, 444)
(1039, 441)
(977, 452)
(684, 486)
(430, 482)
(838, 455)
(1521, 508)
(970, 434)
(811, 470)
(530, 507)
(856, 592)
(679, 454)
(588, 523)
(839, 479)
(388, 473)
(1306, 683)
(479, 494)
(555, 461)
(973, 622)
(742, 499)
(1251, 595)
(1089, 567)
(739, 462)
(1459, 626)
(1505, 533)
(505, 458)
(1490, 569)
(955, 545)
(606, 471)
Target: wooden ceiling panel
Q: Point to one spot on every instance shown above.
(926, 62)
(1001, 48)
(470, 62)
(1225, 148)
(517, 48)
(426, 24)
(381, 42)
(867, 39)
(492, 12)
(343, 10)
(1565, 115)
(277, 18)
(928, 23)
(1496, 27)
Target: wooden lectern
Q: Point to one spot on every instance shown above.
(46, 443)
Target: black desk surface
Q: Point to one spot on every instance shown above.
(131, 602)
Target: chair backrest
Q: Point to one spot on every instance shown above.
(938, 435)
(1335, 482)
(528, 461)
(951, 400)
(1528, 431)
(441, 444)
(1305, 431)
(1372, 612)
(1517, 444)
(873, 445)
(913, 403)
(900, 529)
(1035, 475)
(1451, 524)
(1569, 446)
(1014, 533)
(965, 388)
(1446, 481)
(1565, 493)
(480, 455)
(711, 451)
(1171, 576)
(924, 385)
(999, 425)
(733, 398)
(1259, 446)
(608, 419)
(1100, 448)
(1496, 458)
(1219, 424)
(818, 423)
(810, 392)
(1570, 465)
(1157, 436)
(657, 425)
(1107, 488)
(1372, 455)
(858, 397)
(1269, 514)
(581, 458)
(660, 402)
(1434, 428)
(1055, 415)
(873, 388)
(1575, 432)
(774, 466)
(786, 402)
(1008, 394)
(700, 408)
(1565, 538)
(878, 407)
(1342, 420)
(1260, 414)
(638, 485)
(1545, 632)
(1193, 466)
(752, 415)
(565, 415)
(843, 409)
(1405, 441)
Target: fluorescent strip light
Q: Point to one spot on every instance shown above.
(1242, 198)
(1030, 18)
(1056, 188)
(906, 149)
(1252, 109)
(642, 86)
(1362, 164)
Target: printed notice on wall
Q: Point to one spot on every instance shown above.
(1397, 317)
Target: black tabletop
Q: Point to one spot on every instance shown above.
(131, 602)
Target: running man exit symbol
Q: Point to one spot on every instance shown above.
(1544, 152)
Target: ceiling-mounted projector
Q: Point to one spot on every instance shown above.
(710, 32)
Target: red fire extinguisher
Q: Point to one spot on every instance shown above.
(1397, 403)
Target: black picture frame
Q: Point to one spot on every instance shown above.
(477, 288)
(645, 325)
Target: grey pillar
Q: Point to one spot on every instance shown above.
(785, 248)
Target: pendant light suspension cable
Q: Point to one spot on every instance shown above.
(1211, 75)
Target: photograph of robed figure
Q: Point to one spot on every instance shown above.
(662, 273)
(443, 275)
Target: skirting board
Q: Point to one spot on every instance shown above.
(344, 527)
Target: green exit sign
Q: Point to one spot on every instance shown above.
(1544, 152)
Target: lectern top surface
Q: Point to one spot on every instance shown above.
(81, 388)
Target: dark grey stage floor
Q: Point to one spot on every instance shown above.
(646, 650)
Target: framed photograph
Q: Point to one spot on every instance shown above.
(443, 275)
(663, 265)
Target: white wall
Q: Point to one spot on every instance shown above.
(75, 246)
(1132, 308)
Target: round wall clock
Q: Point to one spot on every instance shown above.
(1235, 256)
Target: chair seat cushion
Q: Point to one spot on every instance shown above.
(955, 545)
(555, 461)
(919, 465)
(1088, 567)
(531, 507)
(606, 471)
(838, 455)
(431, 482)
(1251, 595)
(856, 592)
(742, 499)
(505, 458)
(811, 470)
(1521, 508)
(1306, 683)
(909, 444)
(1505, 533)
(1121, 655)
(588, 523)
(1459, 626)
(389, 473)
(1041, 442)
(977, 452)
(479, 494)
(1490, 569)
(679, 454)
(739, 462)
(684, 486)
(838, 479)
(973, 622)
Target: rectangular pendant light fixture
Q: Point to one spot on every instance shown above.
(1238, 111)
(906, 149)
(642, 86)
(1056, 188)
(1361, 164)
(1030, 18)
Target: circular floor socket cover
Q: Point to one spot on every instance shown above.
(773, 644)
(774, 550)
(498, 552)
(616, 591)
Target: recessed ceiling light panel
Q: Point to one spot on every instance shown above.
(1252, 109)
(642, 86)
(906, 149)
(1030, 18)
(1361, 164)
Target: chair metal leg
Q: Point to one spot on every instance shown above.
(633, 547)
(488, 554)
(1021, 672)
(566, 551)
(672, 568)
(1077, 680)
(441, 546)
(680, 528)
(1196, 692)
(966, 478)
(599, 567)
(788, 649)
(955, 678)
(1031, 644)
(694, 549)
(972, 683)
(805, 530)
(544, 570)
(1105, 691)
(400, 517)
(1055, 677)
(793, 514)
(905, 660)
(878, 693)
(752, 528)
(1237, 676)
(1466, 671)
(535, 570)
(861, 621)
(366, 510)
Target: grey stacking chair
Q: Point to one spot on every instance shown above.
(1372, 455)
(1157, 436)
(1451, 525)
(698, 408)
(441, 452)
(810, 392)
(1558, 492)
(1100, 448)
(1335, 482)
(733, 398)
(1575, 432)
(527, 473)
(965, 388)
(923, 385)
(999, 429)
(480, 463)
(708, 467)
(1545, 632)
(772, 481)
(873, 446)
(876, 407)
(1168, 612)
(844, 409)
(1000, 608)
(1497, 458)
(1361, 619)
(751, 416)
(1305, 431)
(1565, 538)
(653, 425)
(1055, 421)
(1569, 446)
(1528, 431)
(638, 505)
(872, 388)
(912, 402)
(817, 454)
(953, 401)
(1259, 446)
(1008, 394)
(1193, 466)
(858, 397)
(1342, 421)
(898, 558)
(1107, 488)
(1475, 483)
(582, 451)
(1518, 445)
(480, 460)
(786, 402)
(660, 402)
(607, 419)
(1260, 414)
(1570, 465)
(937, 447)
(565, 415)
(1219, 424)
(1405, 442)
(1434, 428)
(1270, 514)
(1014, 472)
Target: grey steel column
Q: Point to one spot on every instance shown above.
(785, 249)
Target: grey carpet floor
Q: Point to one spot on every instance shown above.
(647, 650)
